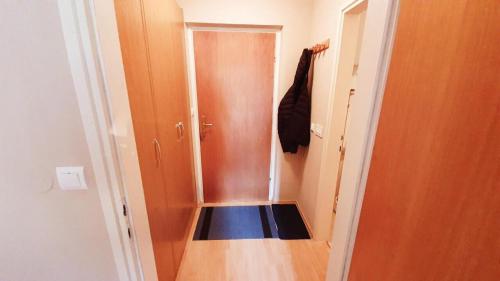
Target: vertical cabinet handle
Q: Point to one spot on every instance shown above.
(180, 131)
(157, 152)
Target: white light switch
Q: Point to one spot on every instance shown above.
(71, 178)
(319, 130)
(313, 127)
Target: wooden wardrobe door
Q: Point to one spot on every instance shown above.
(185, 191)
(165, 26)
(431, 210)
(137, 72)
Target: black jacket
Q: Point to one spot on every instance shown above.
(294, 111)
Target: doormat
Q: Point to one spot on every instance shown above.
(289, 222)
(235, 222)
(250, 222)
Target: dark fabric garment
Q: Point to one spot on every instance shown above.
(294, 111)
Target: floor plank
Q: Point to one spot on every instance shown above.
(253, 259)
(259, 260)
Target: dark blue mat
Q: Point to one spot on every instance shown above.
(235, 222)
(289, 222)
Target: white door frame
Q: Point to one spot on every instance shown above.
(380, 26)
(193, 97)
(77, 23)
(327, 184)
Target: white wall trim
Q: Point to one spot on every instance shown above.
(193, 97)
(274, 184)
(195, 125)
(87, 78)
(324, 177)
(345, 237)
(377, 108)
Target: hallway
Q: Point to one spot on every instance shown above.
(253, 259)
(295, 140)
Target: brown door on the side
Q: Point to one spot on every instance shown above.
(234, 78)
(431, 210)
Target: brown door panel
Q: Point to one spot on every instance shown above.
(432, 204)
(234, 77)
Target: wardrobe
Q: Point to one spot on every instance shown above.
(152, 44)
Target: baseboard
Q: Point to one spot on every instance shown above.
(235, 203)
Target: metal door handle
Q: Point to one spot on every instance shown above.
(204, 127)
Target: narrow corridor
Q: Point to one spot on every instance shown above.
(254, 259)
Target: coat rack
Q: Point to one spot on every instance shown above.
(318, 48)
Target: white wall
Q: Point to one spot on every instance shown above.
(45, 234)
(295, 17)
(304, 24)
(300, 174)
(317, 190)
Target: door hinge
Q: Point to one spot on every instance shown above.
(124, 210)
(129, 233)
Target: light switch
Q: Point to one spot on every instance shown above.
(71, 178)
(313, 127)
(319, 130)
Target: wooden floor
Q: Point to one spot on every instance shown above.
(259, 260)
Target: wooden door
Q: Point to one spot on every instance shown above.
(152, 43)
(135, 57)
(432, 205)
(234, 77)
(165, 33)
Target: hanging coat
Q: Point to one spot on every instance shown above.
(294, 111)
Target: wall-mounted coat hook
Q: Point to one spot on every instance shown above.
(318, 48)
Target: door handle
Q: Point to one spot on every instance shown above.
(157, 147)
(204, 126)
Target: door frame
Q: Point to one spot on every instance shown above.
(193, 96)
(380, 24)
(331, 140)
(84, 55)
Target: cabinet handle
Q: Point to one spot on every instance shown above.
(180, 131)
(156, 144)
